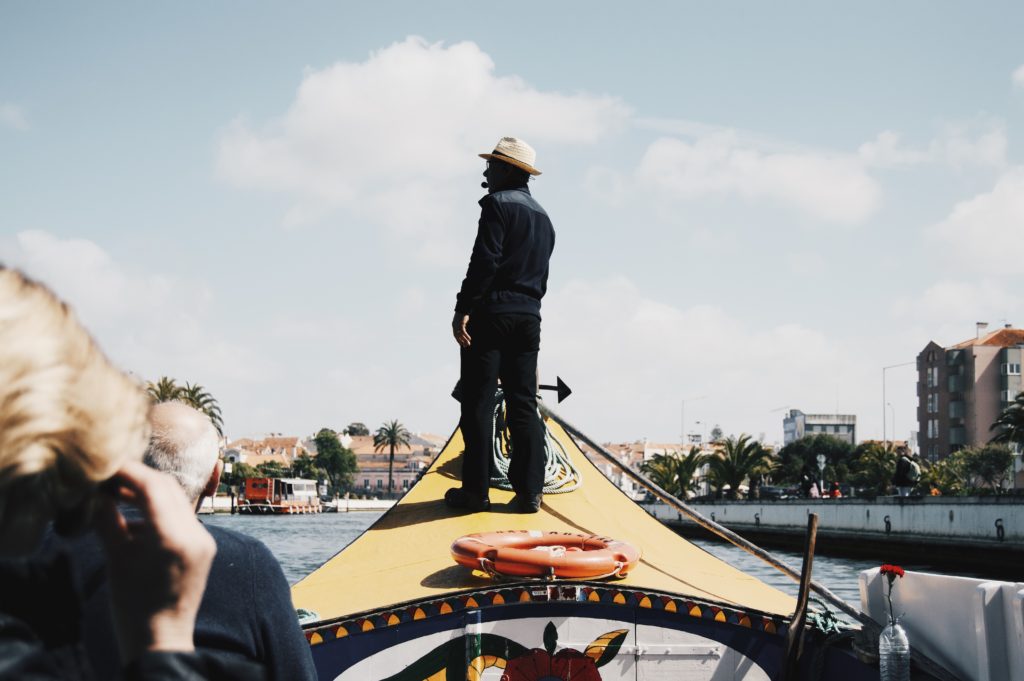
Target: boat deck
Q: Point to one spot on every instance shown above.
(405, 555)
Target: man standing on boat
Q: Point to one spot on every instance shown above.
(497, 326)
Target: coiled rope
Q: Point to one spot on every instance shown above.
(560, 476)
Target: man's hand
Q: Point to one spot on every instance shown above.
(158, 563)
(459, 322)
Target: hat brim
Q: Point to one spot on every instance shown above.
(511, 161)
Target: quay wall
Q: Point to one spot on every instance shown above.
(965, 518)
(940, 531)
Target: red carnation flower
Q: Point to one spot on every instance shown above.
(892, 571)
(539, 665)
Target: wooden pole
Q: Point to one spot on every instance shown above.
(795, 635)
(872, 627)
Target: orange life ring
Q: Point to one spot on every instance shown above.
(532, 553)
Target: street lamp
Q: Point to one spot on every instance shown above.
(892, 410)
(884, 402)
(821, 473)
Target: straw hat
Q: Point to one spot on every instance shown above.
(515, 152)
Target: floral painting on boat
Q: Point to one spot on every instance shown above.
(447, 662)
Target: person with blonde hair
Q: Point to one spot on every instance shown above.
(72, 431)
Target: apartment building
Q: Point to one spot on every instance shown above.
(961, 390)
(796, 425)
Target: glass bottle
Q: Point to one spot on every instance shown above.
(894, 653)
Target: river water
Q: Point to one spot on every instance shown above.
(304, 542)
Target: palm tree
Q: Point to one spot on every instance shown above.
(194, 395)
(197, 397)
(674, 472)
(1010, 423)
(739, 459)
(661, 469)
(687, 468)
(164, 390)
(390, 436)
(874, 467)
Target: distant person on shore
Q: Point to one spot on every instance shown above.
(247, 611)
(806, 481)
(72, 431)
(904, 479)
(497, 327)
(834, 491)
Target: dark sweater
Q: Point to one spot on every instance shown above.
(246, 612)
(508, 270)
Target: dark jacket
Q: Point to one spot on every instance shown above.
(902, 478)
(508, 271)
(41, 637)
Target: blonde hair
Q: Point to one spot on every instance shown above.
(68, 417)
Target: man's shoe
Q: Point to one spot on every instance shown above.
(457, 497)
(527, 503)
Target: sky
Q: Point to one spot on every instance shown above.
(758, 206)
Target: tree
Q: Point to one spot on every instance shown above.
(950, 474)
(239, 472)
(197, 397)
(738, 459)
(304, 466)
(803, 453)
(390, 436)
(674, 472)
(194, 395)
(1009, 426)
(661, 470)
(164, 390)
(716, 433)
(271, 469)
(873, 467)
(338, 463)
(990, 464)
(356, 428)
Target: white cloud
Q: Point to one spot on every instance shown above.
(986, 233)
(885, 150)
(832, 187)
(1018, 76)
(957, 305)
(394, 138)
(979, 143)
(148, 323)
(631, 359)
(13, 116)
(270, 371)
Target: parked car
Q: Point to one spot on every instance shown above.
(770, 493)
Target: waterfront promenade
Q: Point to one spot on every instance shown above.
(982, 532)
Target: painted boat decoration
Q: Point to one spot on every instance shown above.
(394, 605)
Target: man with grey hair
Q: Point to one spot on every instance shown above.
(231, 623)
(185, 445)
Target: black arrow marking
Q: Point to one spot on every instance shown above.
(560, 387)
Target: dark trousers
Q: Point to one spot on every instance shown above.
(503, 346)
